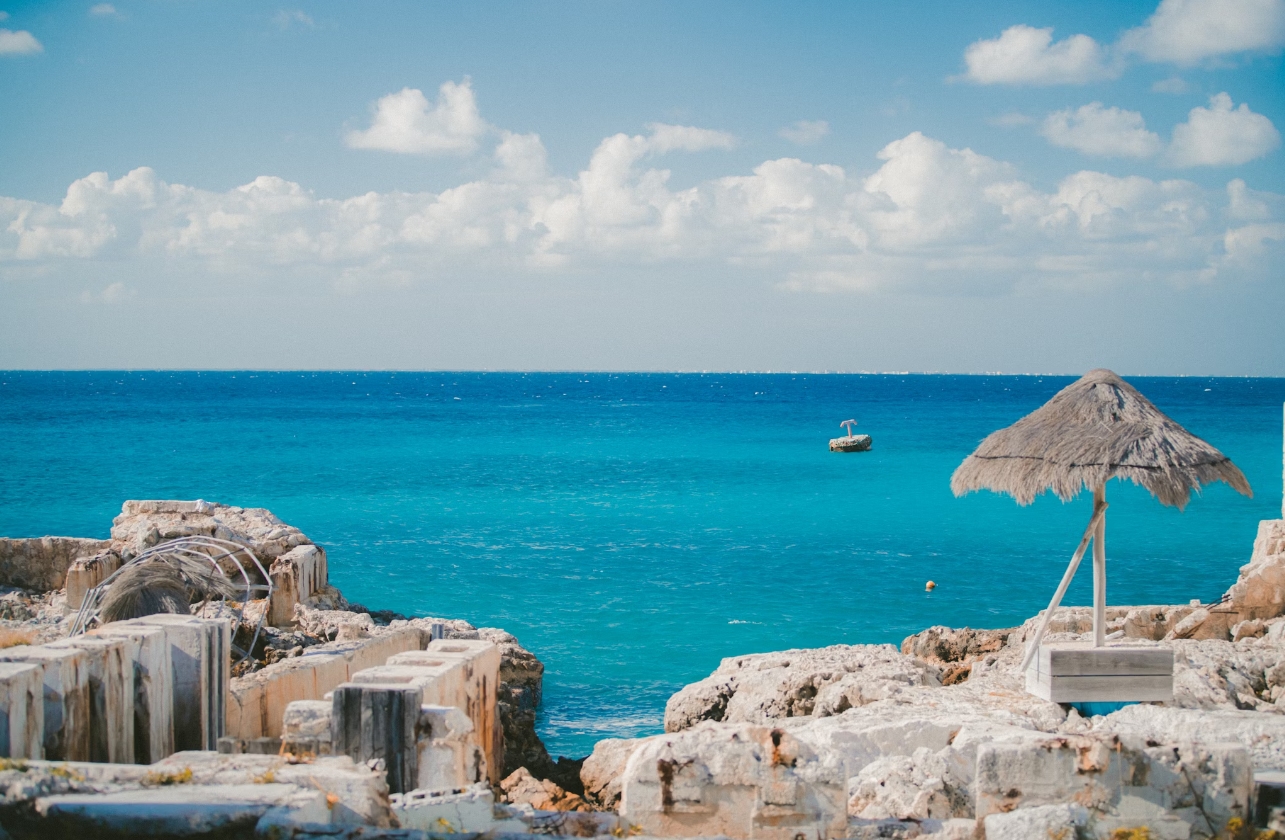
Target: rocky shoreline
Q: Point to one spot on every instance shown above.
(937, 738)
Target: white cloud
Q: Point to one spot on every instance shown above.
(927, 216)
(672, 138)
(1173, 84)
(522, 157)
(286, 18)
(1024, 55)
(1221, 136)
(20, 42)
(405, 122)
(1246, 204)
(1097, 130)
(1189, 31)
(806, 132)
(103, 10)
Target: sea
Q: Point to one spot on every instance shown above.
(632, 529)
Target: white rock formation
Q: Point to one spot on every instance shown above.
(145, 523)
(602, 771)
(1260, 590)
(797, 683)
(735, 780)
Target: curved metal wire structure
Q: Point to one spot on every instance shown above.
(214, 550)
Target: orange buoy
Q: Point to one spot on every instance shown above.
(930, 586)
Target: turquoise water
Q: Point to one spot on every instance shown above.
(632, 529)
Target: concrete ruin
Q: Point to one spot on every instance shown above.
(349, 727)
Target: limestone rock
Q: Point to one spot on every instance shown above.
(1172, 789)
(796, 683)
(602, 771)
(904, 788)
(1064, 821)
(326, 624)
(41, 563)
(1252, 628)
(954, 650)
(521, 788)
(1263, 735)
(735, 780)
(1259, 592)
(1216, 674)
(143, 524)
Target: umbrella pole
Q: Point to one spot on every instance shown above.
(1099, 511)
(1100, 570)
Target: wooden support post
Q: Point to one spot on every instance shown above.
(1098, 513)
(1100, 571)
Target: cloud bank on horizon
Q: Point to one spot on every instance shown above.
(921, 215)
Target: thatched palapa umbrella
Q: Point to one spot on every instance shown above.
(1095, 429)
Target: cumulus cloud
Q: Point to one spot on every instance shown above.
(407, 123)
(522, 157)
(806, 132)
(1189, 31)
(1246, 204)
(20, 42)
(924, 215)
(102, 10)
(1221, 135)
(1097, 130)
(1024, 55)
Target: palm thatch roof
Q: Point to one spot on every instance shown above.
(1097, 428)
(166, 584)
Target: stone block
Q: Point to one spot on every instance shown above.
(153, 687)
(257, 702)
(443, 677)
(173, 811)
(65, 673)
(111, 695)
(296, 576)
(481, 667)
(735, 780)
(1170, 789)
(471, 810)
(41, 563)
(378, 722)
(85, 573)
(1065, 821)
(447, 754)
(200, 655)
(306, 727)
(22, 710)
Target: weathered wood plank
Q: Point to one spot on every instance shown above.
(1105, 661)
(1090, 689)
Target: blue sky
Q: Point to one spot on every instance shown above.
(613, 185)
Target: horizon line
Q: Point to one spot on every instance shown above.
(622, 371)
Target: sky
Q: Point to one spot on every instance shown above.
(612, 185)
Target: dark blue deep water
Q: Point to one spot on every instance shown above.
(632, 529)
